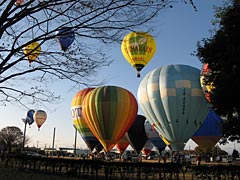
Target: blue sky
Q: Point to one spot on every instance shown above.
(176, 33)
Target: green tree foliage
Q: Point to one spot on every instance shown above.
(222, 54)
(11, 137)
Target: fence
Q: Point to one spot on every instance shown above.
(110, 170)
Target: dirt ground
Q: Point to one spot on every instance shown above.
(9, 174)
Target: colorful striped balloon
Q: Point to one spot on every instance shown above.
(109, 112)
(80, 124)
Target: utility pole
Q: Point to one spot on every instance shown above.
(75, 142)
(54, 130)
(24, 134)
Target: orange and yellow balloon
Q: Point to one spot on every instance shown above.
(79, 122)
(109, 112)
(138, 48)
(32, 51)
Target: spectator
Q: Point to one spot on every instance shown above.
(198, 160)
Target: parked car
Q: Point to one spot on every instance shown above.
(135, 158)
(131, 157)
(32, 153)
(152, 156)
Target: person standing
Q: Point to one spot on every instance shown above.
(198, 160)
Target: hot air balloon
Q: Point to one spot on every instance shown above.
(27, 120)
(172, 99)
(136, 134)
(32, 51)
(29, 117)
(65, 36)
(80, 124)
(40, 117)
(109, 112)
(138, 48)
(122, 144)
(210, 132)
(207, 88)
(147, 147)
(154, 137)
(19, 2)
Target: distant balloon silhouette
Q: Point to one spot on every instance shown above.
(136, 134)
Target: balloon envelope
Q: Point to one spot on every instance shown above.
(207, 88)
(80, 124)
(154, 137)
(147, 147)
(210, 132)
(136, 134)
(109, 112)
(40, 117)
(138, 48)
(171, 98)
(32, 51)
(19, 2)
(122, 144)
(29, 116)
(65, 36)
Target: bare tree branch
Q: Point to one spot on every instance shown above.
(96, 24)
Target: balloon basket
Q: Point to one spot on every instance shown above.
(138, 75)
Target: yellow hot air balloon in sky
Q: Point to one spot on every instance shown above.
(32, 51)
(138, 48)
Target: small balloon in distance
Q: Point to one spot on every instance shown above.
(32, 51)
(65, 36)
(40, 117)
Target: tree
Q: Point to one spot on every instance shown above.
(96, 25)
(222, 53)
(11, 137)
